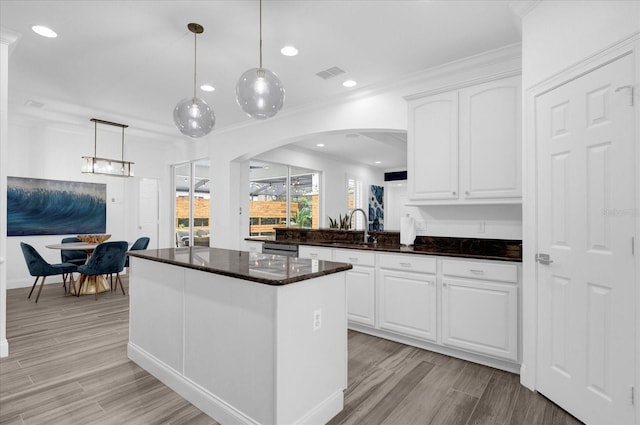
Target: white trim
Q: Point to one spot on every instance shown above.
(630, 45)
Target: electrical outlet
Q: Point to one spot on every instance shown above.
(317, 319)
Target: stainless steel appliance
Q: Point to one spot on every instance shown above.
(290, 250)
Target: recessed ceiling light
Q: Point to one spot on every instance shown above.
(207, 87)
(320, 145)
(350, 83)
(44, 31)
(289, 51)
(378, 162)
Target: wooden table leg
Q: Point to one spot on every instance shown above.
(91, 283)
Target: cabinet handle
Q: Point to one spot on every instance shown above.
(476, 271)
(313, 254)
(353, 259)
(444, 284)
(453, 193)
(406, 265)
(466, 193)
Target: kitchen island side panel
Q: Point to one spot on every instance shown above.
(157, 325)
(229, 341)
(312, 348)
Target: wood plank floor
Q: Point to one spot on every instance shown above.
(68, 365)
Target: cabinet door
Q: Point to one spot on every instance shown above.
(480, 316)
(490, 140)
(432, 147)
(315, 253)
(361, 295)
(253, 246)
(407, 303)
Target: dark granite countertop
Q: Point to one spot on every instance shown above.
(257, 267)
(483, 249)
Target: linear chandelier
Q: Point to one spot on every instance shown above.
(111, 167)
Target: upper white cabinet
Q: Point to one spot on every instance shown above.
(432, 147)
(464, 145)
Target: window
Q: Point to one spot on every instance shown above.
(355, 199)
(192, 203)
(280, 194)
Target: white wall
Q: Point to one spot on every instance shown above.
(469, 221)
(557, 34)
(46, 150)
(381, 108)
(334, 177)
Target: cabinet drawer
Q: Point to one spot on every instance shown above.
(353, 256)
(480, 270)
(315, 253)
(407, 262)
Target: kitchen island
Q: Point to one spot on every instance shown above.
(246, 337)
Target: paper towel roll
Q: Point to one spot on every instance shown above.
(407, 230)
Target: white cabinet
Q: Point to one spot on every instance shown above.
(464, 146)
(480, 307)
(253, 246)
(360, 285)
(315, 252)
(407, 295)
(432, 148)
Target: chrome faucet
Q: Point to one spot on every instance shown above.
(366, 222)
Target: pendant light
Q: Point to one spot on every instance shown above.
(259, 92)
(192, 115)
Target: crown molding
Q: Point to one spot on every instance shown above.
(521, 8)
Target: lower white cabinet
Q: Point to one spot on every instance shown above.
(408, 303)
(361, 295)
(480, 308)
(253, 246)
(315, 252)
(466, 306)
(361, 284)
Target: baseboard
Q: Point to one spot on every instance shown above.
(325, 411)
(453, 352)
(196, 395)
(4, 347)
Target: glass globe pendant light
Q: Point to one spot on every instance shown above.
(192, 115)
(259, 92)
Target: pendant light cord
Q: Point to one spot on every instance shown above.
(195, 56)
(260, 34)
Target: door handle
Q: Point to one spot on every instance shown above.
(544, 259)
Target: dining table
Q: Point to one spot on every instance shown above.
(92, 284)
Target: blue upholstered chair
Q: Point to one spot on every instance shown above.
(141, 243)
(39, 267)
(73, 256)
(107, 258)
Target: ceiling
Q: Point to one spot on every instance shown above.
(132, 61)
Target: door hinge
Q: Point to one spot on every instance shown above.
(630, 88)
(633, 245)
(633, 401)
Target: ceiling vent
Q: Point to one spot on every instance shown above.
(330, 72)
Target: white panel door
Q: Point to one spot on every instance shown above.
(148, 211)
(586, 187)
(432, 147)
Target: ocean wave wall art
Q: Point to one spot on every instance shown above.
(55, 207)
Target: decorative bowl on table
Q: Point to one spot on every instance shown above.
(94, 239)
